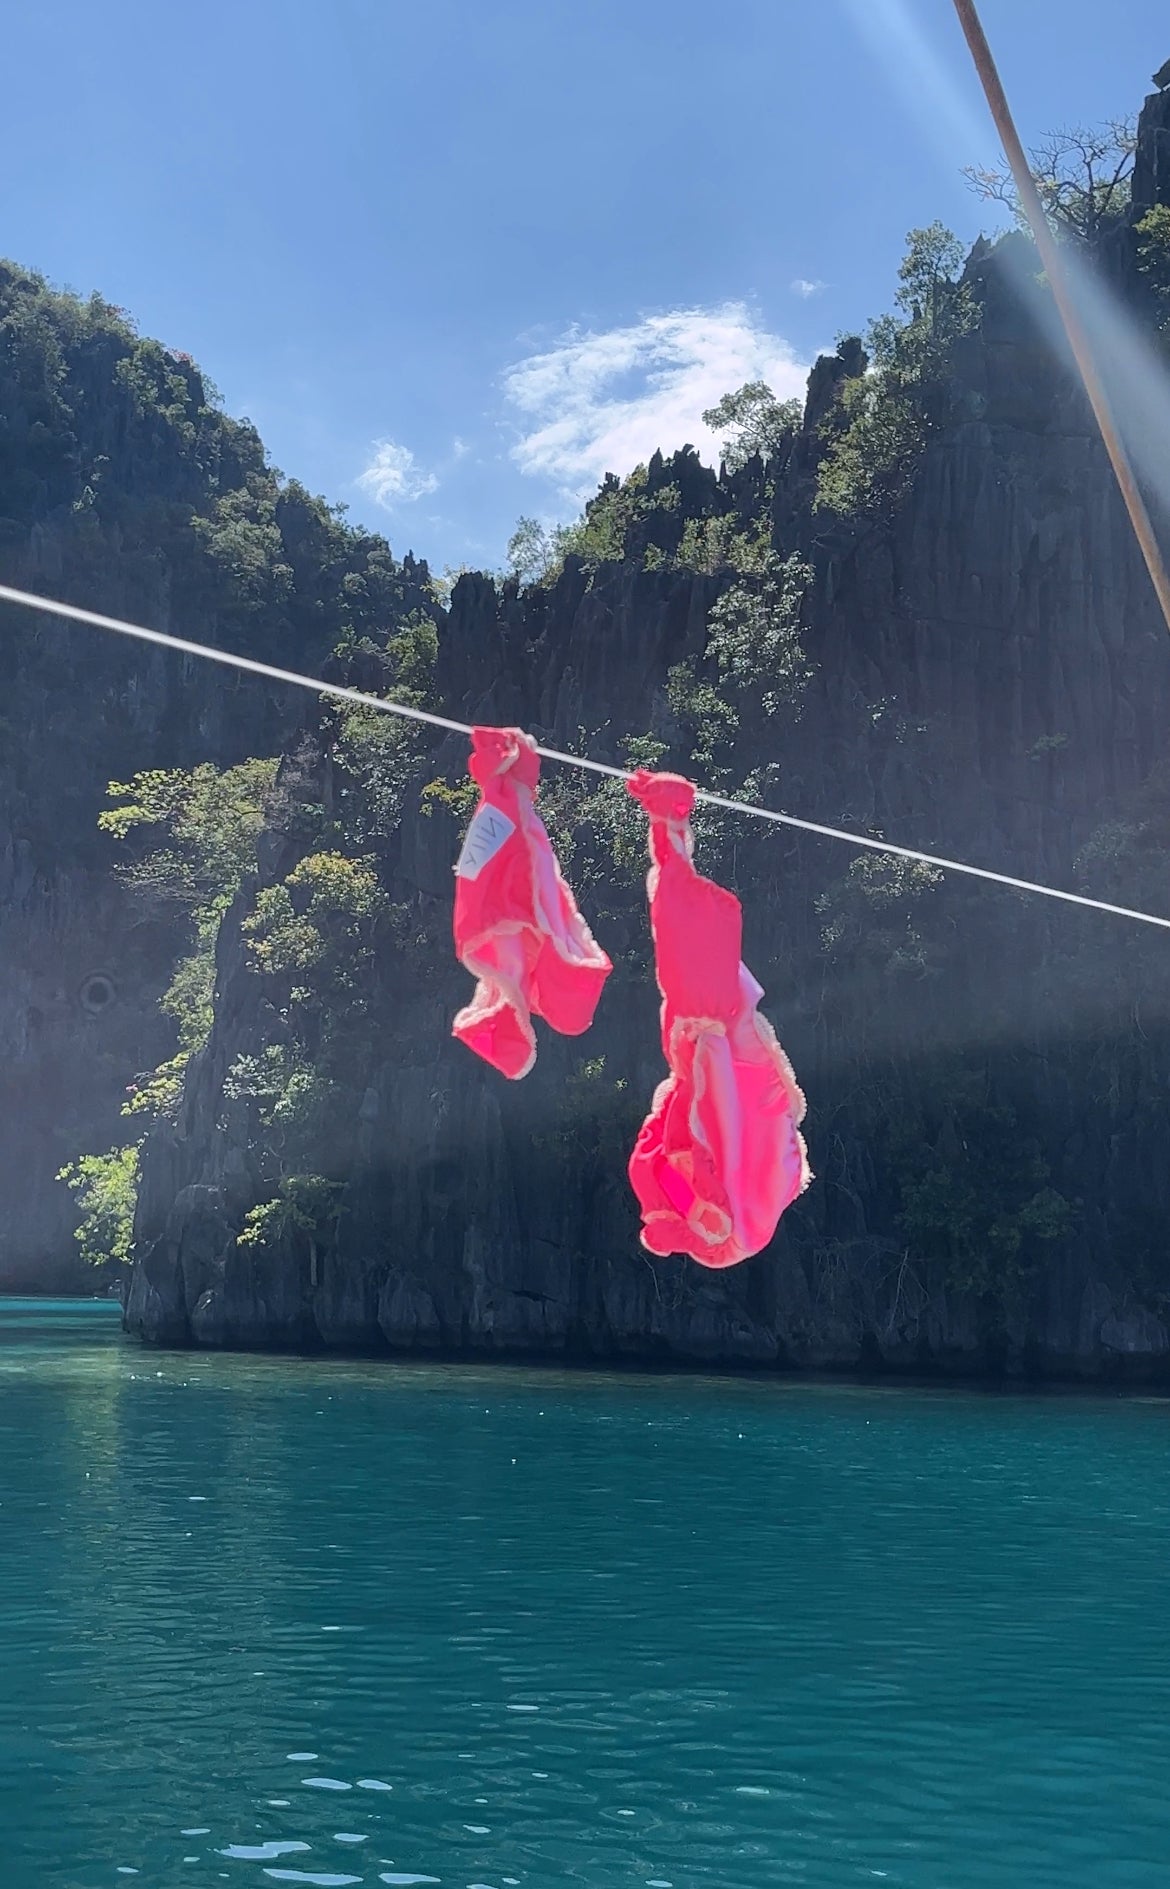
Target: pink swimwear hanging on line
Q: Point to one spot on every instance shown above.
(517, 927)
(720, 1155)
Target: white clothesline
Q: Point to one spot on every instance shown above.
(336, 691)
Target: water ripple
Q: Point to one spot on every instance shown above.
(262, 1852)
(704, 1634)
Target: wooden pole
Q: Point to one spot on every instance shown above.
(1057, 275)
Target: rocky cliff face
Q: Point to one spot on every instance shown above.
(123, 487)
(989, 1104)
(1151, 171)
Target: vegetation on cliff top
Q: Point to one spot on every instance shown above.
(123, 446)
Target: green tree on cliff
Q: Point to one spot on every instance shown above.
(754, 422)
(877, 432)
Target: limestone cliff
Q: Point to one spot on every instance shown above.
(980, 671)
(123, 486)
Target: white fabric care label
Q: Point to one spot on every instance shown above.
(485, 836)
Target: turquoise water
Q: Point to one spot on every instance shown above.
(325, 1623)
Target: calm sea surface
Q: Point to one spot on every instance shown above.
(273, 1621)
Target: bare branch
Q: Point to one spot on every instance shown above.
(1082, 175)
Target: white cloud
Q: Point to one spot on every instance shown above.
(392, 477)
(459, 448)
(597, 403)
(806, 289)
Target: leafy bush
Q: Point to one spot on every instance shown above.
(876, 434)
(753, 665)
(106, 1186)
(1153, 234)
(306, 1205)
(602, 535)
(316, 916)
(756, 423)
(753, 632)
(286, 1089)
(205, 826)
(872, 913)
(209, 821)
(976, 1198)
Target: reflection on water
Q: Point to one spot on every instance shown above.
(273, 1620)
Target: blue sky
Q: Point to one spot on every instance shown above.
(457, 259)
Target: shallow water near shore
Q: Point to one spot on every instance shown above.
(322, 1622)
